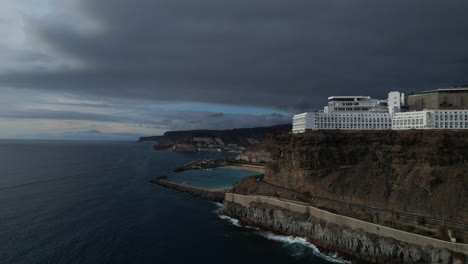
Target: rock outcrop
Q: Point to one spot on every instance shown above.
(422, 172)
(356, 243)
(254, 156)
(419, 171)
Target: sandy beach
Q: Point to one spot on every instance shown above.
(259, 169)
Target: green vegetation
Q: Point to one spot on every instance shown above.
(422, 221)
(415, 230)
(409, 228)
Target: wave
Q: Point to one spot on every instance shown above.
(233, 221)
(290, 240)
(230, 219)
(218, 204)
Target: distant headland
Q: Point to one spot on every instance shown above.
(233, 140)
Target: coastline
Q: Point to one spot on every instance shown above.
(255, 168)
(216, 194)
(351, 237)
(325, 232)
(213, 195)
(228, 163)
(328, 254)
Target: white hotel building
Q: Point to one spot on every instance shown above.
(365, 113)
(346, 112)
(431, 119)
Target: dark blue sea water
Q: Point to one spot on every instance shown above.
(89, 202)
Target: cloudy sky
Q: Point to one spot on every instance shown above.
(119, 68)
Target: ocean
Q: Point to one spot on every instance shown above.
(89, 202)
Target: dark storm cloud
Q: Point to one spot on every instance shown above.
(187, 120)
(61, 115)
(174, 120)
(271, 53)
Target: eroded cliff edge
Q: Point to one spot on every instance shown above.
(422, 172)
(328, 235)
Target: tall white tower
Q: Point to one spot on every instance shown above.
(395, 101)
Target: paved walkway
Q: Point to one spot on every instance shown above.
(416, 216)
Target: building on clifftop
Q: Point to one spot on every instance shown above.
(440, 99)
(346, 112)
(447, 109)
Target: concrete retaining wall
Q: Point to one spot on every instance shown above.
(350, 222)
(210, 195)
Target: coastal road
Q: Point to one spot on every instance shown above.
(372, 208)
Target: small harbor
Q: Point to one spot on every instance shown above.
(207, 182)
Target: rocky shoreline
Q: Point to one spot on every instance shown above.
(213, 195)
(422, 172)
(355, 243)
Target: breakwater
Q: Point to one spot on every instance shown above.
(366, 241)
(214, 195)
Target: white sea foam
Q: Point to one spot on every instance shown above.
(230, 219)
(290, 240)
(219, 205)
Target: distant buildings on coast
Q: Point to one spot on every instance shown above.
(434, 109)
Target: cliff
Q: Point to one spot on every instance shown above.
(419, 171)
(213, 140)
(353, 242)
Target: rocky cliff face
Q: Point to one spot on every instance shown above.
(424, 172)
(356, 243)
(233, 140)
(254, 155)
